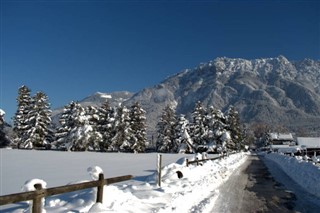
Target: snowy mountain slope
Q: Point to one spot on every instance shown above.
(271, 90)
(97, 99)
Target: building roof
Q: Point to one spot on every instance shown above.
(280, 136)
(308, 142)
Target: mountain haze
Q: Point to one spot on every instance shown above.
(274, 91)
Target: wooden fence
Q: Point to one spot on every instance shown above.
(197, 161)
(40, 193)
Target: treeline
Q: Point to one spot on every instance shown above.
(121, 129)
(81, 128)
(206, 130)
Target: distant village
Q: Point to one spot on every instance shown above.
(288, 144)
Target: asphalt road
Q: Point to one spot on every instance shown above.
(252, 188)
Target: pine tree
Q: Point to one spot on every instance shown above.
(95, 138)
(234, 126)
(138, 128)
(217, 125)
(39, 121)
(4, 140)
(199, 133)
(66, 124)
(121, 140)
(166, 130)
(21, 117)
(105, 125)
(181, 142)
(75, 130)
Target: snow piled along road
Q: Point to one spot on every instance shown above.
(196, 191)
(304, 173)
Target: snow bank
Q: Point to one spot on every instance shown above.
(196, 191)
(304, 173)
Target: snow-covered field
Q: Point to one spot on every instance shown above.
(195, 192)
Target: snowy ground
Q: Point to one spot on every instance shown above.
(195, 192)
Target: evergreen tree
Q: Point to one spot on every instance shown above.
(75, 131)
(39, 121)
(234, 126)
(21, 117)
(106, 125)
(4, 140)
(95, 138)
(181, 142)
(199, 131)
(66, 124)
(217, 125)
(138, 128)
(166, 130)
(121, 140)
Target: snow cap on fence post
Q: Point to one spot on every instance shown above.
(94, 172)
(38, 201)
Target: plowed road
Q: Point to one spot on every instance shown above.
(256, 188)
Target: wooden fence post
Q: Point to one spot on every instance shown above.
(197, 161)
(187, 161)
(37, 200)
(100, 188)
(36, 197)
(159, 169)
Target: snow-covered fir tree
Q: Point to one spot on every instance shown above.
(39, 122)
(199, 127)
(21, 117)
(234, 126)
(166, 131)
(122, 138)
(75, 131)
(138, 128)
(216, 125)
(67, 123)
(2, 113)
(182, 143)
(4, 140)
(95, 138)
(106, 125)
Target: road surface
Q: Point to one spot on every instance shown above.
(252, 188)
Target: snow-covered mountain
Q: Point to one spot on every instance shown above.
(271, 90)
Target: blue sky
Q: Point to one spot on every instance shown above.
(71, 49)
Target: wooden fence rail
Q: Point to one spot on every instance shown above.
(37, 195)
(197, 161)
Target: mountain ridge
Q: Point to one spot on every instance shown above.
(274, 91)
